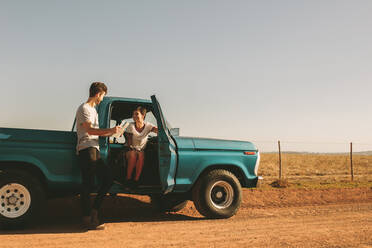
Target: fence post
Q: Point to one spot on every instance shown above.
(280, 161)
(351, 161)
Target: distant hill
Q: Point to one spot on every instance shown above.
(364, 153)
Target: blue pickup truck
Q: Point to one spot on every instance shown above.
(36, 165)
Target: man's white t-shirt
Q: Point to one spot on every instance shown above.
(139, 139)
(86, 113)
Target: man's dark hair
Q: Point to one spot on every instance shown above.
(97, 87)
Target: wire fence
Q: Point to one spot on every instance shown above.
(343, 161)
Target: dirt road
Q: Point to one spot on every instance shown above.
(267, 218)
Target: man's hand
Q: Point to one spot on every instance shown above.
(116, 130)
(101, 132)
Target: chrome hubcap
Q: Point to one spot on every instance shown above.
(12, 200)
(15, 200)
(221, 194)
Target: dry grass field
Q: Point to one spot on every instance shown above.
(316, 167)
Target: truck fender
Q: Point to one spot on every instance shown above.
(9, 161)
(239, 170)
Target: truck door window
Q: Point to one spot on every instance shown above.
(151, 118)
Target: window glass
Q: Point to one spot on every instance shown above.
(151, 118)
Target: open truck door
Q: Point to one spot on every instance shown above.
(166, 150)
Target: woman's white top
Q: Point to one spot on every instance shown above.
(139, 139)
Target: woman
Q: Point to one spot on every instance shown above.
(136, 136)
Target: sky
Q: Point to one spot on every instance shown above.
(261, 71)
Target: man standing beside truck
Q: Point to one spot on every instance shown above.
(89, 160)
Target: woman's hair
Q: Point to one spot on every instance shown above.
(142, 110)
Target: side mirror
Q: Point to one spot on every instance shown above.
(175, 131)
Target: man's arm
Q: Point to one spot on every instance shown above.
(100, 132)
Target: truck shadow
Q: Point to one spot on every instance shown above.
(63, 215)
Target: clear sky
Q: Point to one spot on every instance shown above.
(298, 71)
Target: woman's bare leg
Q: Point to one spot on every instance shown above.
(131, 159)
(139, 164)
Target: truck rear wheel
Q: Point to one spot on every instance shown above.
(165, 203)
(21, 199)
(217, 194)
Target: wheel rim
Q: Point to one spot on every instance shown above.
(15, 200)
(221, 194)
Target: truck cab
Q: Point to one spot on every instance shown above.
(160, 154)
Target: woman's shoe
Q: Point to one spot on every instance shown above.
(127, 184)
(135, 184)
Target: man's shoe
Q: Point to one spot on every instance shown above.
(94, 221)
(86, 222)
(99, 227)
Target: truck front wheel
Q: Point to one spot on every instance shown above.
(21, 199)
(217, 194)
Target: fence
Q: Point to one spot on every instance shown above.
(350, 165)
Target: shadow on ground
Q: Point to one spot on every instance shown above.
(63, 215)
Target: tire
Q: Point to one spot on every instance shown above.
(217, 194)
(22, 199)
(165, 203)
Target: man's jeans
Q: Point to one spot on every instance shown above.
(91, 164)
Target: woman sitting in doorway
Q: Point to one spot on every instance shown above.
(136, 136)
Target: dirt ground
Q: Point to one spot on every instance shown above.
(267, 218)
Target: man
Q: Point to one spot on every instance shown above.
(89, 160)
